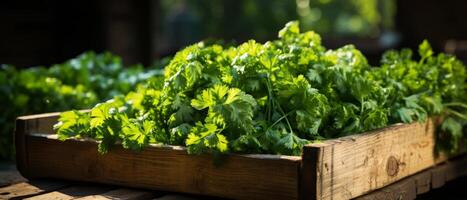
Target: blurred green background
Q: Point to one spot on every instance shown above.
(187, 21)
(50, 31)
(47, 32)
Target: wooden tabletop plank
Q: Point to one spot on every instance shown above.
(10, 177)
(73, 192)
(32, 188)
(123, 194)
(176, 197)
(9, 174)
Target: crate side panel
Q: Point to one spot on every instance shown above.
(355, 165)
(238, 177)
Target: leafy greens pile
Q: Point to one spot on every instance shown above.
(76, 84)
(276, 97)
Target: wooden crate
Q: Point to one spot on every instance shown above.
(341, 168)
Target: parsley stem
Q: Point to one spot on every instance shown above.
(271, 99)
(361, 106)
(458, 114)
(280, 119)
(459, 104)
(287, 120)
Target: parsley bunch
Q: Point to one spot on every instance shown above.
(75, 84)
(276, 97)
(435, 85)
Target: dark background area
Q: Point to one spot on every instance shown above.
(44, 32)
(443, 23)
(453, 190)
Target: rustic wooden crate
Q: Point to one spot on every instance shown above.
(341, 168)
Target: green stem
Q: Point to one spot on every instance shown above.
(458, 114)
(287, 120)
(361, 106)
(270, 99)
(280, 119)
(459, 104)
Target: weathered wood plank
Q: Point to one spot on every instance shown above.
(310, 170)
(165, 168)
(456, 168)
(40, 123)
(354, 165)
(26, 189)
(9, 175)
(72, 192)
(438, 176)
(403, 190)
(122, 194)
(176, 197)
(20, 145)
(343, 168)
(421, 182)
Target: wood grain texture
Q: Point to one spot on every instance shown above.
(20, 146)
(351, 166)
(40, 123)
(167, 169)
(121, 194)
(421, 182)
(72, 192)
(176, 197)
(438, 177)
(342, 168)
(403, 190)
(309, 171)
(26, 189)
(9, 175)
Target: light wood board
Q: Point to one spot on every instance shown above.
(351, 166)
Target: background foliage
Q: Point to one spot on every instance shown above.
(75, 84)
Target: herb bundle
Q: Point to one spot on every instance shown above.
(276, 97)
(75, 84)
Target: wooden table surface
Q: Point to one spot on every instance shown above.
(14, 186)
